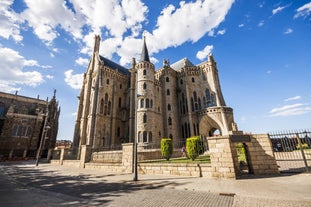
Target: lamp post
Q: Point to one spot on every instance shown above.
(135, 175)
(42, 141)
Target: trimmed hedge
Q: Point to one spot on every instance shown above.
(194, 147)
(166, 148)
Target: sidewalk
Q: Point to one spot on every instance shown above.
(285, 190)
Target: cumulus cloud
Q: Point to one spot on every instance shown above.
(205, 52)
(241, 25)
(13, 70)
(82, 61)
(190, 21)
(45, 16)
(288, 31)
(290, 110)
(293, 98)
(73, 80)
(118, 22)
(303, 11)
(9, 21)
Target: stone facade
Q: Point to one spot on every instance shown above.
(178, 100)
(21, 125)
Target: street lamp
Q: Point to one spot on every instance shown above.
(42, 141)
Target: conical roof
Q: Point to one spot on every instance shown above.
(144, 53)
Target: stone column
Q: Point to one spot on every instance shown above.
(86, 153)
(62, 155)
(127, 157)
(222, 162)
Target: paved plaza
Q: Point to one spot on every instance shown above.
(24, 184)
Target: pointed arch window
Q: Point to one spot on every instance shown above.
(168, 92)
(169, 121)
(107, 81)
(195, 96)
(144, 72)
(144, 136)
(192, 79)
(109, 107)
(142, 103)
(213, 99)
(168, 107)
(145, 86)
(167, 79)
(145, 118)
(120, 102)
(208, 95)
(192, 104)
(147, 103)
(150, 137)
(101, 110)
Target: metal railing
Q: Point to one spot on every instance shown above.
(292, 150)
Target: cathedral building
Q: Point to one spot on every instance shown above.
(25, 123)
(179, 100)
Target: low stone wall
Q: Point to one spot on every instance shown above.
(153, 154)
(106, 167)
(181, 169)
(107, 156)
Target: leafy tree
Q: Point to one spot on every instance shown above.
(166, 148)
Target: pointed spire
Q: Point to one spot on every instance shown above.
(144, 54)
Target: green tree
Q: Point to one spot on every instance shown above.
(193, 147)
(166, 148)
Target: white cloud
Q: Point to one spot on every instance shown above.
(205, 52)
(290, 110)
(303, 11)
(82, 61)
(49, 77)
(45, 16)
(13, 73)
(241, 25)
(73, 80)
(190, 21)
(278, 9)
(221, 32)
(114, 18)
(293, 98)
(288, 31)
(261, 23)
(9, 21)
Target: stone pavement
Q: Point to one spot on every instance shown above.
(23, 184)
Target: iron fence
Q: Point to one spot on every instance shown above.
(292, 150)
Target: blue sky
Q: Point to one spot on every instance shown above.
(262, 49)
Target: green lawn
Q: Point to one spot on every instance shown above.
(200, 159)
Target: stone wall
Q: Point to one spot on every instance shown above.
(261, 155)
(221, 155)
(107, 156)
(222, 151)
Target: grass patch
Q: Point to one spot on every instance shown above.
(201, 159)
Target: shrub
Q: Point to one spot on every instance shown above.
(304, 146)
(166, 148)
(193, 147)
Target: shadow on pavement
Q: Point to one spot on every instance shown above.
(87, 189)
